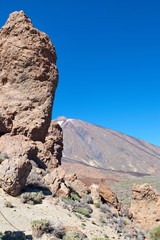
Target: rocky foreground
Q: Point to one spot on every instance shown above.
(38, 199)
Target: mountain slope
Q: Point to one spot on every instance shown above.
(104, 148)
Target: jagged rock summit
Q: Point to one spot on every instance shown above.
(28, 78)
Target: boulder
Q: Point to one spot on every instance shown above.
(107, 195)
(54, 179)
(13, 175)
(94, 193)
(79, 187)
(15, 165)
(145, 205)
(28, 78)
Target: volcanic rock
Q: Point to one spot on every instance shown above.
(54, 179)
(107, 195)
(28, 78)
(145, 205)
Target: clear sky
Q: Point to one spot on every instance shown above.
(108, 59)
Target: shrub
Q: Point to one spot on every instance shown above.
(97, 204)
(73, 235)
(102, 220)
(155, 233)
(75, 197)
(78, 216)
(67, 200)
(87, 199)
(83, 211)
(40, 227)
(104, 208)
(32, 198)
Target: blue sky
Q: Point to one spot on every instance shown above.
(108, 59)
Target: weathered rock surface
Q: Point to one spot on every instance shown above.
(145, 205)
(28, 78)
(54, 179)
(95, 194)
(50, 152)
(106, 193)
(15, 166)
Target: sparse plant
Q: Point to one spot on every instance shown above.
(78, 216)
(97, 204)
(104, 208)
(67, 200)
(155, 233)
(83, 211)
(73, 235)
(102, 220)
(40, 227)
(93, 223)
(83, 224)
(32, 197)
(87, 199)
(75, 197)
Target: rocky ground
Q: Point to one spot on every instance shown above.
(17, 216)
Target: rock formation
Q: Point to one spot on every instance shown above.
(30, 145)
(145, 206)
(107, 195)
(28, 80)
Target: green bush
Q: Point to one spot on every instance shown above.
(75, 197)
(83, 211)
(102, 220)
(155, 233)
(66, 200)
(97, 204)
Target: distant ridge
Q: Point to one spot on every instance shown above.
(107, 149)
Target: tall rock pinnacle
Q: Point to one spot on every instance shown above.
(28, 78)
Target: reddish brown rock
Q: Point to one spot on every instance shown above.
(79, 187)
(145, 206)
(28, 78)
(106, 193)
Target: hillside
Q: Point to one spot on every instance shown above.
(104, 148)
